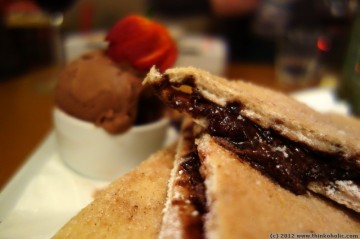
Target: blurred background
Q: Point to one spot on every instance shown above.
(240, 30)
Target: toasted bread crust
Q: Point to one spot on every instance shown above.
(344, 192)
(172, 223)
(245, 204)
(181, 219)
(271, 109)
(130, 207)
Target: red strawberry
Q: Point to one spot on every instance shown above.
(142, 43)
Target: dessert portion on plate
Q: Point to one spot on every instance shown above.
(249, 162)
(102, 111)
(130, 207)
(95, 89)
(185, 205)
(296, 146)
(104, 87)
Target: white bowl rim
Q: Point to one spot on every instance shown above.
(88, 125)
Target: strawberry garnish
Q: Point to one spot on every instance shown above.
(142, 43)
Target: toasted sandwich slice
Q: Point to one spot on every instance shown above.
(130, 207)
(185, 204)
(292, 144)
(243, 203)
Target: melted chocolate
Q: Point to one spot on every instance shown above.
(150, 108)
(193, 208)
(293, 165)
(195, 183)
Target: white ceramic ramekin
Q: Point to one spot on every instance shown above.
(91, 151)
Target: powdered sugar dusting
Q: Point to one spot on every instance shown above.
(349, 186)
(194, 213)
(330, 189)
(281, 149)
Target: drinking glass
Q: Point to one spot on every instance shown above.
(55, 9)
(297, 60)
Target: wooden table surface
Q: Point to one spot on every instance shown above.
(26, 104)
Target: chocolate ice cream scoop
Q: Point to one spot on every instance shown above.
(95, 89)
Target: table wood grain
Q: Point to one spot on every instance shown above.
(25, 105)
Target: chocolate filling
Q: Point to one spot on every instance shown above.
(195, 183)
(193, 203)
(196, 189)
(292, 164)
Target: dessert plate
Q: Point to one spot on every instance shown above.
(322, 100)
(45, 194)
